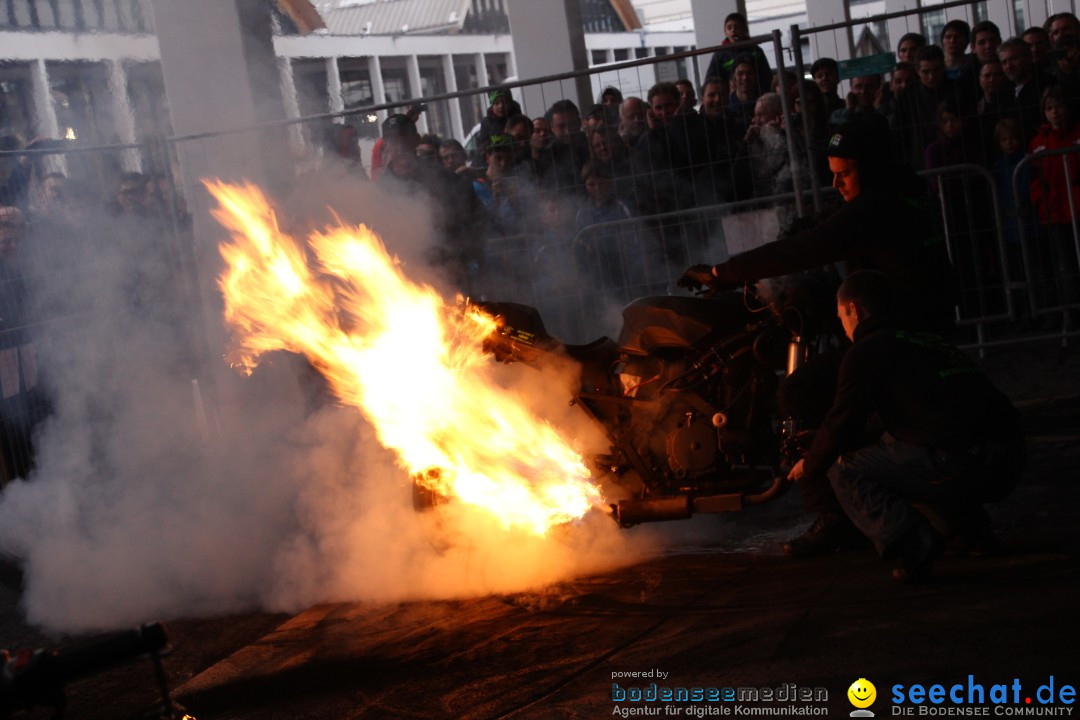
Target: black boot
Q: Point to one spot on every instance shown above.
(916, 552)
(973, 533)
(831, 531)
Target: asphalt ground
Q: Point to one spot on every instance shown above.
(727, 612)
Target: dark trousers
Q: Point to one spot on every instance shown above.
(876, 484)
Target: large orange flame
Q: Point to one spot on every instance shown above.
(412, 363)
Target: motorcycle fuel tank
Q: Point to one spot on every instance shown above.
(670, 322)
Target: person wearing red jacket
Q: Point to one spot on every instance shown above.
(1055, 260)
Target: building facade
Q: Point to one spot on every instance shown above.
(89, 70)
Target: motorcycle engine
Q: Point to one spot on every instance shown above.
(692, 447)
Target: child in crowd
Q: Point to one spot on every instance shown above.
(1056, 177)
(602, 205)
(1010, 144)
(599, 250)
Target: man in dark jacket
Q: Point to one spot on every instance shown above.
(950, 439)
(884, 224)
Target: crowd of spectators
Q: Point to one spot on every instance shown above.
(55, 234)
(968, 99)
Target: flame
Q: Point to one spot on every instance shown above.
(412, 363)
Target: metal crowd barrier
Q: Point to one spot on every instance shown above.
(967, 242)
(846, 39)
(79, 259)
(1050, 254)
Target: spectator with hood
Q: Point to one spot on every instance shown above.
(502, 108)
(737, 30)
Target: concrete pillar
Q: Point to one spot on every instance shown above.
(45, 122)
(898, 27)
(220, 72)
(412, 67)
(335, 100)
(549, 39)
(457, 129)
(123, 115)
(291, 101)
(288, 88)
(481, 71)
(377, 89)
(709, 24)
(836, 44)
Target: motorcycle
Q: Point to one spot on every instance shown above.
(686, 395)
(36, 677)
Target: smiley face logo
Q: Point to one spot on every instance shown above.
(862, 693)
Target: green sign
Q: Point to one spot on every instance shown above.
(872, 65)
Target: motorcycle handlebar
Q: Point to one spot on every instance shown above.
(29, 678)
(99, 653)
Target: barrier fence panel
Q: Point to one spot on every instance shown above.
(580, 281)
(912, 103)
(482, 223)
(974, 235)
(1047, 236)
(91, 289)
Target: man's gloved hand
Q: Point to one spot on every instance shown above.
(696, 277)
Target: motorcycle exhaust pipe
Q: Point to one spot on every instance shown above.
(632, 512)
(796, 354)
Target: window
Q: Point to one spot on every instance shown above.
(20, 11)
(356, 90)
(599, 57)
(146, 92)
(65, 14)
(110, 16)
(621, 54)
(433, 83)
(47, 13)
(83, 101)
(16, 102)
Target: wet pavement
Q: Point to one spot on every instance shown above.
(727, 612)
(731, 613)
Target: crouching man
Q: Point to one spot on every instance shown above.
(950, 440)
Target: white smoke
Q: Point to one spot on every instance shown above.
(152, 498)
